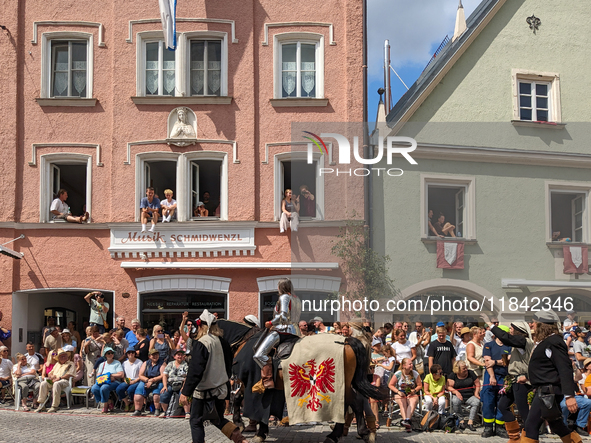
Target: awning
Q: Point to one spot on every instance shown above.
(509, 283)
(226, 265)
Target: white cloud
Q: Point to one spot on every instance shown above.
(413, 28)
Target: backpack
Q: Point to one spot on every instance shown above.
(448, 422)
(430, 421)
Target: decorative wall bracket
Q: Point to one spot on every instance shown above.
(534, 23)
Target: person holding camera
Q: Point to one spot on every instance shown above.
(98, 310)
(307, 202)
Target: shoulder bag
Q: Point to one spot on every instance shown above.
(549, 408)
(104, 379)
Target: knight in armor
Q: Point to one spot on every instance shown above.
(288, 310)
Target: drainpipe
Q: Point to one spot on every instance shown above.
(366, 148)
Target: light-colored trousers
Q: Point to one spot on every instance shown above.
(440, 403)
(285, 222)
(57, 389)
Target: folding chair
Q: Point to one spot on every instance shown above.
(16, 393)
(80, 391)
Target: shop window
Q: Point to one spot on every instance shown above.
(62, 316)
(166, 308)
(568, 216)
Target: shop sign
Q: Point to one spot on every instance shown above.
(182, 240)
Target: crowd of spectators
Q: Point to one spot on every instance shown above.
(455, 367)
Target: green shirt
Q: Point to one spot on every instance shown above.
(435, 387)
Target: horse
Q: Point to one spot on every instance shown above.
(259, 407)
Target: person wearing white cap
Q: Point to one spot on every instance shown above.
(200, 210)
(252, 320)
(551, 375)
(288, 310)
(67, 338)
(209, 372)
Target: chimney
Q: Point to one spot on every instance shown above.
(460, 22)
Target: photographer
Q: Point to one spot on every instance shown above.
(98, 310)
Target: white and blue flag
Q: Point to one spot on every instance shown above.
(168, 17)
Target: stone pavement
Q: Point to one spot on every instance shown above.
(82, 425)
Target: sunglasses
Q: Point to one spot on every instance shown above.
(54, 353)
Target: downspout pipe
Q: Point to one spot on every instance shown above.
(366, 148)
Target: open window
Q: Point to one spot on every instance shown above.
(71, 172)
(448, 201)
(206, 187)
(452, 197)
(293, 172)
(568, 215)
(160, 175)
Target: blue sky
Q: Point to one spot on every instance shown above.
(415, 29)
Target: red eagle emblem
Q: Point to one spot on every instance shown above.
(315, 384)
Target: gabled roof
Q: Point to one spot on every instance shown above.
(434, 72)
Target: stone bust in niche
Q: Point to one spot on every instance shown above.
(182, 126)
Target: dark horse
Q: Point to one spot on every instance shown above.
(259, 407)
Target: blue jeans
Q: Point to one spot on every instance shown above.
(144, 392)
(165, 398)
(584, 405)
(101, 393)
(125, 390)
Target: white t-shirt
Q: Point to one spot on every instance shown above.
(33, 360)
(403, 350)
(132, 370)
(167, 203)
(414, 339)
(58, 205)
(24, 370)
(566, 323)
(5, 368)
(461, 351)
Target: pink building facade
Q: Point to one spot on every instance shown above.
(90, 103)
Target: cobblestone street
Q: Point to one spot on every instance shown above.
(78, 425)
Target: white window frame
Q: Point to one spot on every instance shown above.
(182, 192)
(451, 181)
(182, 75)
(46, 163)
(185, 72)
(566, 187)
(46, 68)
(298, 37)
(208, 155)
(551, 78)
(278, 181)
(150, 37)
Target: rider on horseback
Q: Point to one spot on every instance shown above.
(284, 323)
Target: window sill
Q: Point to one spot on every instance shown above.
(167, 100)
(298, 102)
(560, 244)
(528, 124)
(433, 240)
(79, 102)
